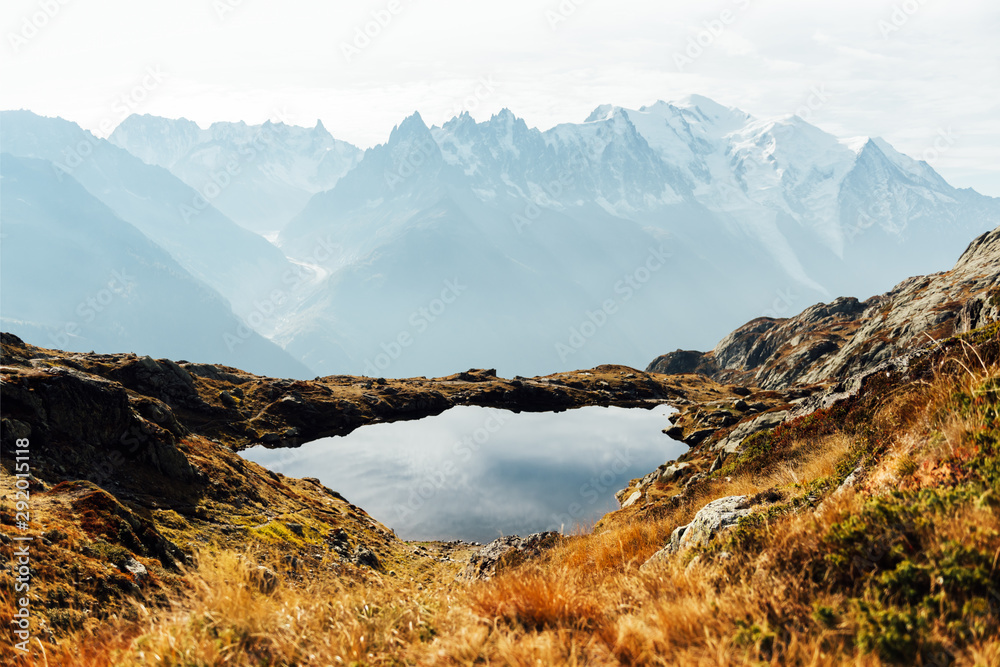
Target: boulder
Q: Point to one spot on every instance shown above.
(506, 552)
(698, 436)
(710, 520)
(136, 569)
(731, 443)
(681, 361)
(99, 427)
(674, 471)
(668, 472)
(228, 400)
(632, 500)
(264, 579)
(675, 432)
(365, 557)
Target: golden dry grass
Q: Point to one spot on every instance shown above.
(779, 595)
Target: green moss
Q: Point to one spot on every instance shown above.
(171, 519)
(755, 636)
(762, 451)
(825, 616)
(891, 633)
(756, 452)
(751, 532)
(815, 489)
(113, 554)
(907, 582)
(274, 532)
(962, 571)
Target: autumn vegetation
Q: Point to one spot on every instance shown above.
(899, 565)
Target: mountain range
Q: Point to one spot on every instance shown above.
(493, 244)
(259, 176)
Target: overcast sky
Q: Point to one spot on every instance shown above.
(923, 74)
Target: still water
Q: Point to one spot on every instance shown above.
(478, 473)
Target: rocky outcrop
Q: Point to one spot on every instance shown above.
(93, 420)
(507, 552)
(666, 473)
(683, 361)
(126, 487)
(713, 430)
(828, 342)
(731, 443)
(710, 520)
(920, 311)
(241, 410)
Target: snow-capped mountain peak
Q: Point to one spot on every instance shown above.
(259, 175)
(711, 111)
(602, 112)
(320, 128)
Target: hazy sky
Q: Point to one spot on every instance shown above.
(924, 74)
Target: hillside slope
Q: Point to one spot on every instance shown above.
(240, 265)
(76, 276)
(862, 533)
(135, 477)
(834, 340)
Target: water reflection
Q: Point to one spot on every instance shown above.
(478, 473)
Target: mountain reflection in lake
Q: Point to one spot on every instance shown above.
(477, 473)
